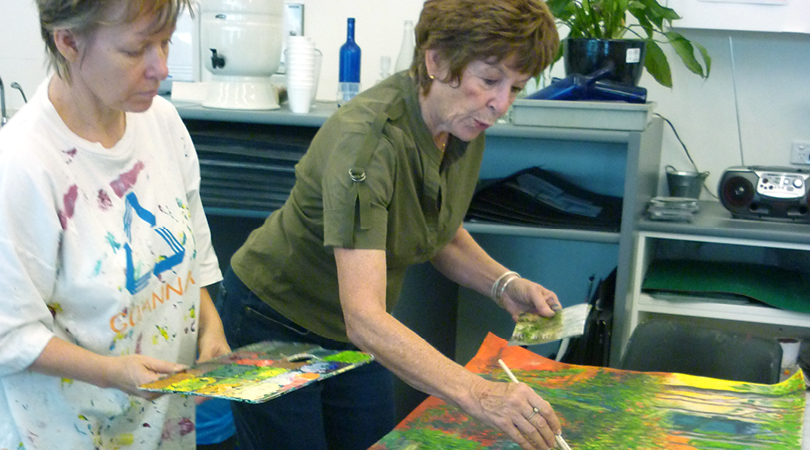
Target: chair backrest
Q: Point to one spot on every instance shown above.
(661, 345)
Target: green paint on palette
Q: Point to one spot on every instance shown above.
(263, 373)
(349, 357)
(231, 370)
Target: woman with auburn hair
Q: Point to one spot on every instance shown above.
(385, 184)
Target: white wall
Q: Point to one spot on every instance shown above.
(378, 32)
(772, 93)
(21, 49)
(772, 97)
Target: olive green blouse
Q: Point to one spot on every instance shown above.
(372, 178)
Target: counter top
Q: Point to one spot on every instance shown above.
(282, 116)
(322, 110)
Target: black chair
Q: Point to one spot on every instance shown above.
(667, 346)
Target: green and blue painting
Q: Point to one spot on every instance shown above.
(602, 408)
(260, 372)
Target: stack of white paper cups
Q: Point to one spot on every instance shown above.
(302, 60)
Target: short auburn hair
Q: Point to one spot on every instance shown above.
(463, 31)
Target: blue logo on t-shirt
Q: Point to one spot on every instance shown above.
(136, 284)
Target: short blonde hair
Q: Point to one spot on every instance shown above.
(83, 17)
(463, 31)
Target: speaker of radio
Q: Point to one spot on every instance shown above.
(765, 193)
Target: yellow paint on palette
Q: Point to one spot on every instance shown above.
(220, 387)
(268, 372)
(193, 384)
(170, 381)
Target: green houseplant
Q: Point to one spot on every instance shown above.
(607, 20)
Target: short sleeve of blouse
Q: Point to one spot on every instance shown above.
(346, 223)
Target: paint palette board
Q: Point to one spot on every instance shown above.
(260, 372)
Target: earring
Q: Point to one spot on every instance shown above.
(431, 77)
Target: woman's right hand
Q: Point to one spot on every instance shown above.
(518, 411)
(128, 372)
(64, 359)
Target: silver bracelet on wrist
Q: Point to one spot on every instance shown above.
(499, 286)
(499, 299)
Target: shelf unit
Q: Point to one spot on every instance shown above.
(715, 230)
(620, 163)
(623, 163)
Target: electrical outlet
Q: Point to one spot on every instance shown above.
(800, 153)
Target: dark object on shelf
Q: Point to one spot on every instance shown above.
(537, 197)
(624, 56)
(685, 183)
(593, 347)
(766, 193)
(667, 346)
(673, 209)
(593, 86)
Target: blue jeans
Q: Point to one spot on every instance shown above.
(349, 411)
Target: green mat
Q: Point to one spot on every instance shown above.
(781, 288)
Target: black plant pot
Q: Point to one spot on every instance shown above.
(585, 56)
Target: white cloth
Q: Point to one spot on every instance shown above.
(105, 248)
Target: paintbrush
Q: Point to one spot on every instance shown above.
(560, 441)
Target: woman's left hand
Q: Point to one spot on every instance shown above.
(211, 341)
(522, 295)
(211, 344)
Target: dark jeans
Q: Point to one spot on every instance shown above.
(349, 411)
(227, 444)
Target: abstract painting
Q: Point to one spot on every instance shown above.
(602, 408)
(259, 372)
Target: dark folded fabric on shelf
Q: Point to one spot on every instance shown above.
(537, 197)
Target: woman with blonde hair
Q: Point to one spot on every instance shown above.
(105, 251)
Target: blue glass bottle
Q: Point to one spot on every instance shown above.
(349, 75)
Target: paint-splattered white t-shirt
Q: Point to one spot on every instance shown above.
(105, 248)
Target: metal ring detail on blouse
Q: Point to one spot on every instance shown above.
(357, 175)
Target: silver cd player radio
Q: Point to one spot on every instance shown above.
(766, 193)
